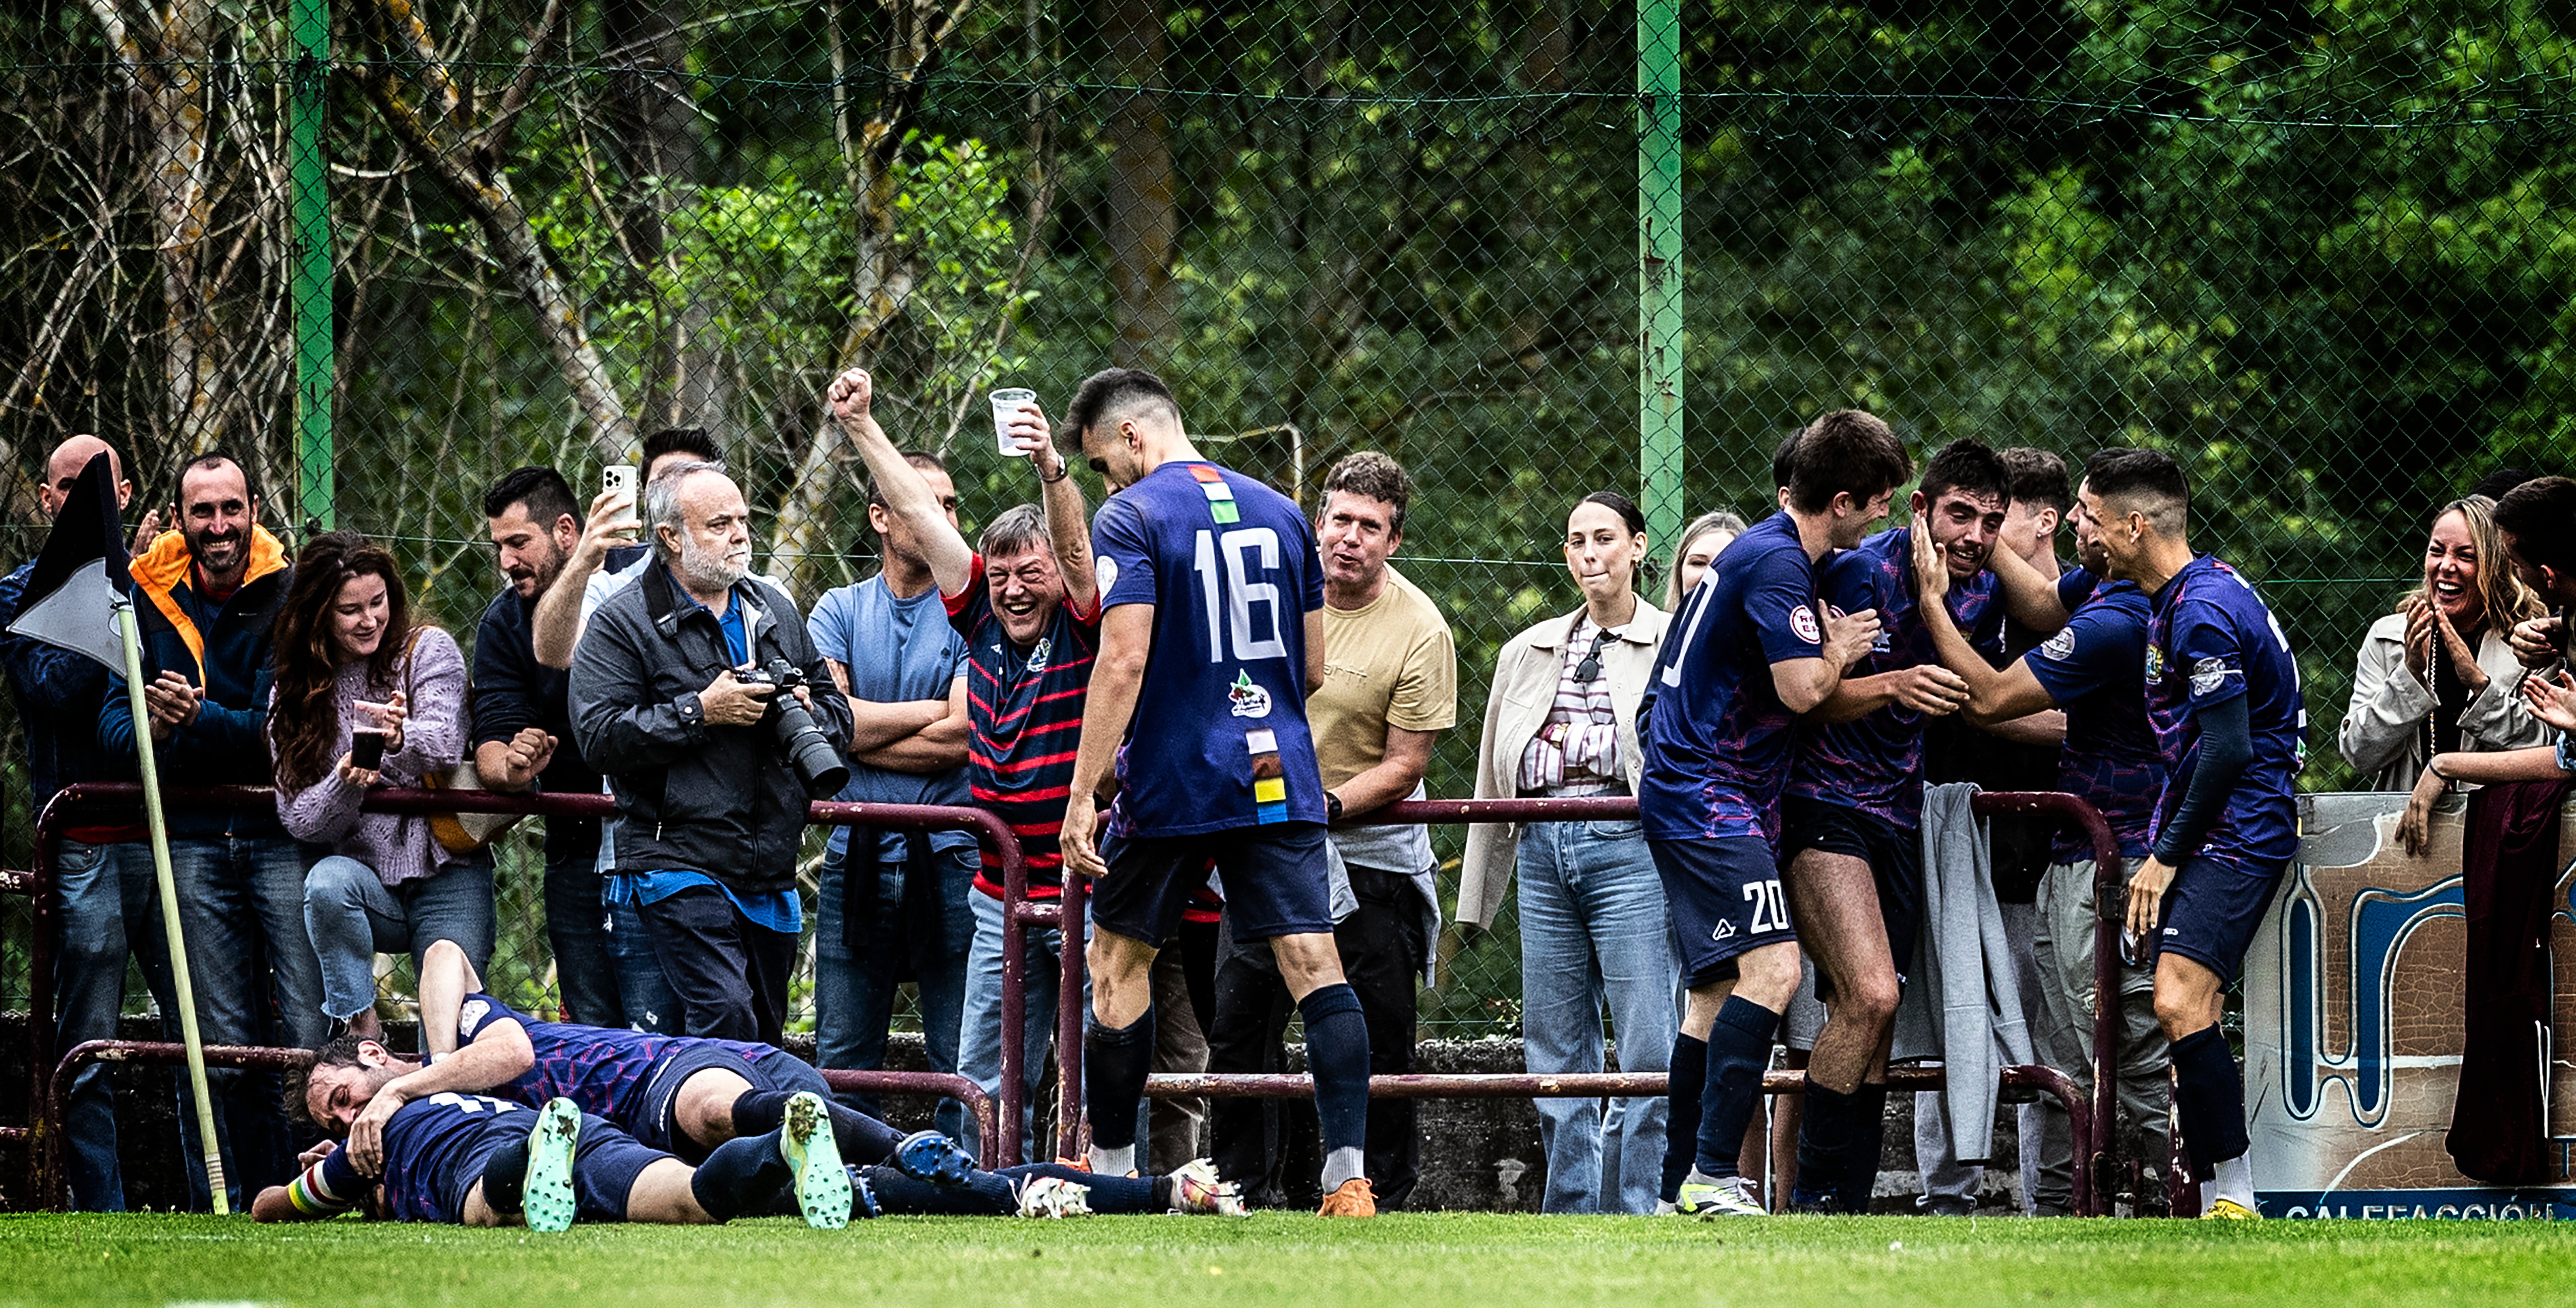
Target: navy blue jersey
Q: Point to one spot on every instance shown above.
(1717, 739)
(602, 1069)
(2093, 668)
(1874, 762)
(1219, 740)
(435, 1149)
(2209, 640)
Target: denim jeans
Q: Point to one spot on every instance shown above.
(107, 899)
(1594, 931)
(241, 907)
(979, 1035)
(895, 924)
(353, 917)
(645, 999)
(577, 933)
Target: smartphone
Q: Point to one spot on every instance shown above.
(366, 749)
(618, 477)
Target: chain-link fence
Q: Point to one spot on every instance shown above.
(2319, 253)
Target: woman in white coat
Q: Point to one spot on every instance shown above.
(1562, 721)
(2437, 675)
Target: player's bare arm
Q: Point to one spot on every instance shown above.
(1117, 675)
(1994, 696)
(2030, 598)
(1805, 684)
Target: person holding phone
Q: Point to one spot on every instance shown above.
(362, 697)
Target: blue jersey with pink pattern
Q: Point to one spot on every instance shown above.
(1715, 736)
(2093, 667)
(1874, 762)
(602, 1069)
(2211, 639)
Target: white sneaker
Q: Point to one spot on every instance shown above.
(1711, 1200)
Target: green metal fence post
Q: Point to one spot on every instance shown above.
(310, 183)
(1659, 267)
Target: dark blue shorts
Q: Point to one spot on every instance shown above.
(1894, 855)
(655, 1113)
(2212, 911)
(1725, 899)
(1276, 882)
(604, 1167)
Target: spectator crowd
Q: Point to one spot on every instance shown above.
(1195, 698)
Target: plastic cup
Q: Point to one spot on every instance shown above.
(1007, 403)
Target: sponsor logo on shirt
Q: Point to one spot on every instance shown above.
(2209, 674)
(1724, 928)
(1250, 701)
(1802, 620)
(2060, 646)
(471, 1015)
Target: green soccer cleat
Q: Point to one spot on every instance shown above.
(1709, 1201)
(547, 1194)
(807, 1144)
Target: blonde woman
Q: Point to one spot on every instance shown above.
(1702, 541)
(2438, 675)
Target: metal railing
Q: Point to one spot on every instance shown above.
(2089, 1125)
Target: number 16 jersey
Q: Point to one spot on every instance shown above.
(1219, 740)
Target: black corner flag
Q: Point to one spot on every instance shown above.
(71, 596)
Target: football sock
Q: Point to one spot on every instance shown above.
(2233, 1179)
(1337, 1048)
(2210, 1100)
(1739, 1051)
(1113, 1070)
(1681, 1117)
(1867, 1139)
(863, 1139)
(505, 1179)
(1824, 1145)
(744, 1174)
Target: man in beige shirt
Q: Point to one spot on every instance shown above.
(1390, 688)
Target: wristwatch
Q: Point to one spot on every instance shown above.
(1332, 807)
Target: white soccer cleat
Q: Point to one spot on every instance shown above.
(1196, 1189)
(1052, 1196)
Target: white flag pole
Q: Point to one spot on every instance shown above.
(213, 1150)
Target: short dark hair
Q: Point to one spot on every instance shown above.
(2038, 478)
(691, 441)
(2151, 475)
(1113, 390)
(1966, 464)
(922, 459)
(1848, 452)
(2540, 518)
(1784, 459)
(213, 458)
(1376, 476)
(542, 490)
(339, 1051)
(2497, 484)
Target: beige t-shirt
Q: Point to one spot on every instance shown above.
(1390, 664)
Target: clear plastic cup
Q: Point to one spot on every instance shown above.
(1007, 403)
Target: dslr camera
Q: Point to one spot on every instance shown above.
(808, 750)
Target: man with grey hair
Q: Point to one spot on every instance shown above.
(1025, 605)
(711, 811)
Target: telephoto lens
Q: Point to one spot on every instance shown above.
(818, 764)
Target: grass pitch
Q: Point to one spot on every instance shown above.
(1398, 1261)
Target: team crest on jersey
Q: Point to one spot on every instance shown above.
(2155, 664)
(2060, 646)
(1105, 570)
(1250, 701)
(2208, 675)
(1040, 653)
(471, 1015)
(1802, 620)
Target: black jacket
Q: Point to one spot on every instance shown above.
(718, 800)
(513, 691)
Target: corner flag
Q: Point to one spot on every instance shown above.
(72, 594)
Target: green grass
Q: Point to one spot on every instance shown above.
(1418, 1261)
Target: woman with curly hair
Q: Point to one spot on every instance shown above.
(361, 697)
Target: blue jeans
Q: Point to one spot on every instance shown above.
(577, 933)
(1594, 931)
(241, 909)
(979, 1037)
(107, 899)
(353, 917)
(645, 1000)
(895, 923)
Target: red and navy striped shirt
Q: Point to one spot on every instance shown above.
(1025, 707)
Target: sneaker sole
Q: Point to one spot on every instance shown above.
(932, 1157)
(822, 1184)
(547, 1194)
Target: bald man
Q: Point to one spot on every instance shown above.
(105, 896)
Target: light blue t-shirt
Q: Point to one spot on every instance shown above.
(895, 650)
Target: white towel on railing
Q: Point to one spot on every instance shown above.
(1962, 1002)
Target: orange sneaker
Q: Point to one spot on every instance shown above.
(1356, 1198)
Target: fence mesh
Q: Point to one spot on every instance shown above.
(2320, 253)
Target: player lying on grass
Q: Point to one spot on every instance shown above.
(472, 1160)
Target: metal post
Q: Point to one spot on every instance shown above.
(1659, 267)
(312, 289)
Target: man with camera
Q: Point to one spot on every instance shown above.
(699, 692)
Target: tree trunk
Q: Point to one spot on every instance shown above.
(658, 134)
(1143, 222)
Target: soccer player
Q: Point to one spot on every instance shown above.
(1212, 638)
(1752, 649)
(1853, 864)
(2223, 695)
(472, 1160)
(2093, 669)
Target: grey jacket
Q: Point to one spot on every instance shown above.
(1962, 1000)
(718, 800)
(2383, 728)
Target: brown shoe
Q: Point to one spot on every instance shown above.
(1356, 1198)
